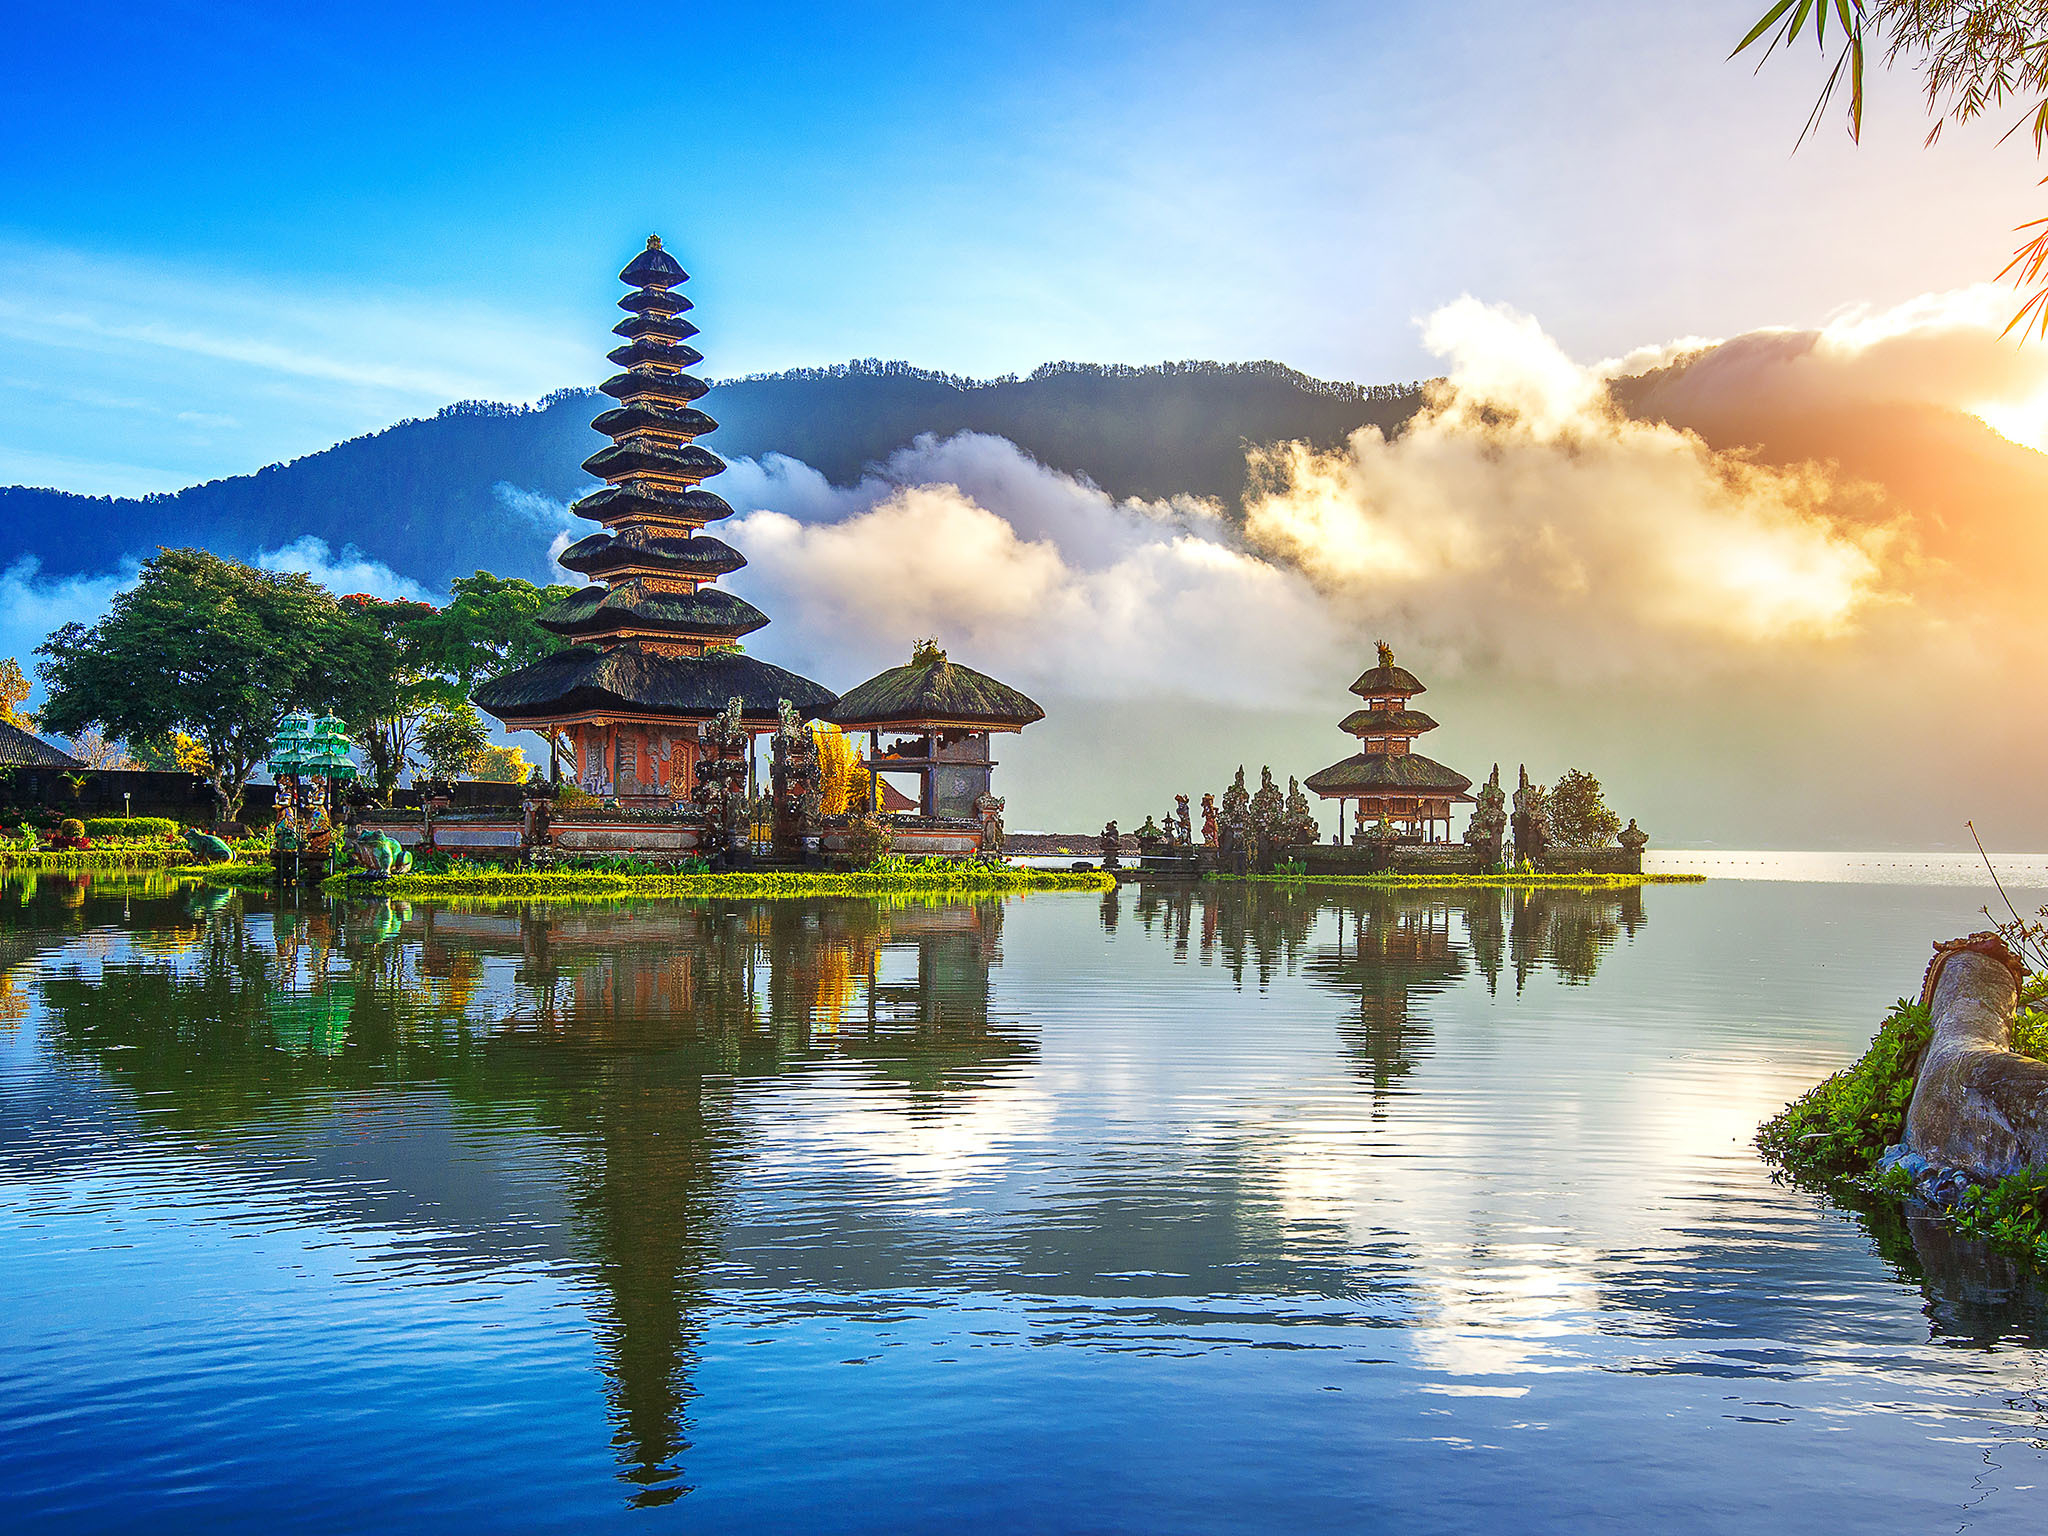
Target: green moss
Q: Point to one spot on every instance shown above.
(1840, 1128)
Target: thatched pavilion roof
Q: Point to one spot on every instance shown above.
(19, 747)
(582, 679)
(932, 692)
(1388, 773)
(1387, 722)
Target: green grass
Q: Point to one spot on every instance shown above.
(136, 856)
(574, 884)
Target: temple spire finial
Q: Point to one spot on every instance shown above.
(654, 242)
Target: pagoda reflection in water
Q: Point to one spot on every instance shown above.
(631, 1033)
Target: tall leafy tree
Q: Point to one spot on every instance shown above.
(488, 627)
(454, 738)
(217, 650)
(14, 692)
(391, 712)
(1579, 817)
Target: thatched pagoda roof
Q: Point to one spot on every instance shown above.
(645, 415)
(608, 505)
(935, 693)
(1389, 773)
(658, 350)
(673, 327)
(631, 679)
(1387, 722)
(23, 749)
(680, 388)
(655, 301)
(644, 456)
(1379, 682)
(653, 268)
(632, 605)
(641, 546)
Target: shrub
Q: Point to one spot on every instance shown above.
(868, 839)
(1579, 817)
(1841, 1127)
(131, 826)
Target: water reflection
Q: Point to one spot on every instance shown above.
(671, 1051)
(621, 1028)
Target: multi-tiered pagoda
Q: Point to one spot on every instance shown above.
(1388, 778)
(655, 649)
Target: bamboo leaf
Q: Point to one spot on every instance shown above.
(1770, 18)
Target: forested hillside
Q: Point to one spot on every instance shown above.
(420, 497)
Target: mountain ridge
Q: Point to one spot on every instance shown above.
(422, 495)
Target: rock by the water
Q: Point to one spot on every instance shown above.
(1979, 1107)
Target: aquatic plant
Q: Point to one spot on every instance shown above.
(1836, 1134)
(1841, 1127)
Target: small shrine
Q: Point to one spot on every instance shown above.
(939, 717)
(655, 657)
(1387, 779)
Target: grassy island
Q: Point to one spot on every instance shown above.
(1834, 1137)
(922, 877)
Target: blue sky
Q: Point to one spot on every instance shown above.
(234, 234)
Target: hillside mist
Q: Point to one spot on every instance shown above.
(422, 497)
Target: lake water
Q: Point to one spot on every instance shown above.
(1165, 1211)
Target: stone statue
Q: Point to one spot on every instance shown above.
(1236, 801)
(1531, 821)
(1149, 835)
(1112, 843)
(1183, 825)
(720, 792)
(1209, 831)
(1300, 827)
(1268, 807)
(203, 846)
(796, 781)
(1489, 820)
(988, 810)
(1634, 839)
(380, 855)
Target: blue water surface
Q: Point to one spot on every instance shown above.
(1168, 1210)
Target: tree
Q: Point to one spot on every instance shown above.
(453, 738)
(14, 692)
(501, 765)
(1579, 817)
(1975, 58)
(387, 727)
(488, 627)
(217, 650)
(175, 753)
(842, 781)
(92, 748)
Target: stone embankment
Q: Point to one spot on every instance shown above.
(1979, 1110)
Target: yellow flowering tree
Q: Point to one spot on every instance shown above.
(842, 781)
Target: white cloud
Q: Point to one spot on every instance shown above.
(551, 517)
(32, 605)
(1037, 577)
(343, 573)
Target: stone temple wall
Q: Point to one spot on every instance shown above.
(1591, 861)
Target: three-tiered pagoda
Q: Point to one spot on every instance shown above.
(655, 647)
(1387, 778)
